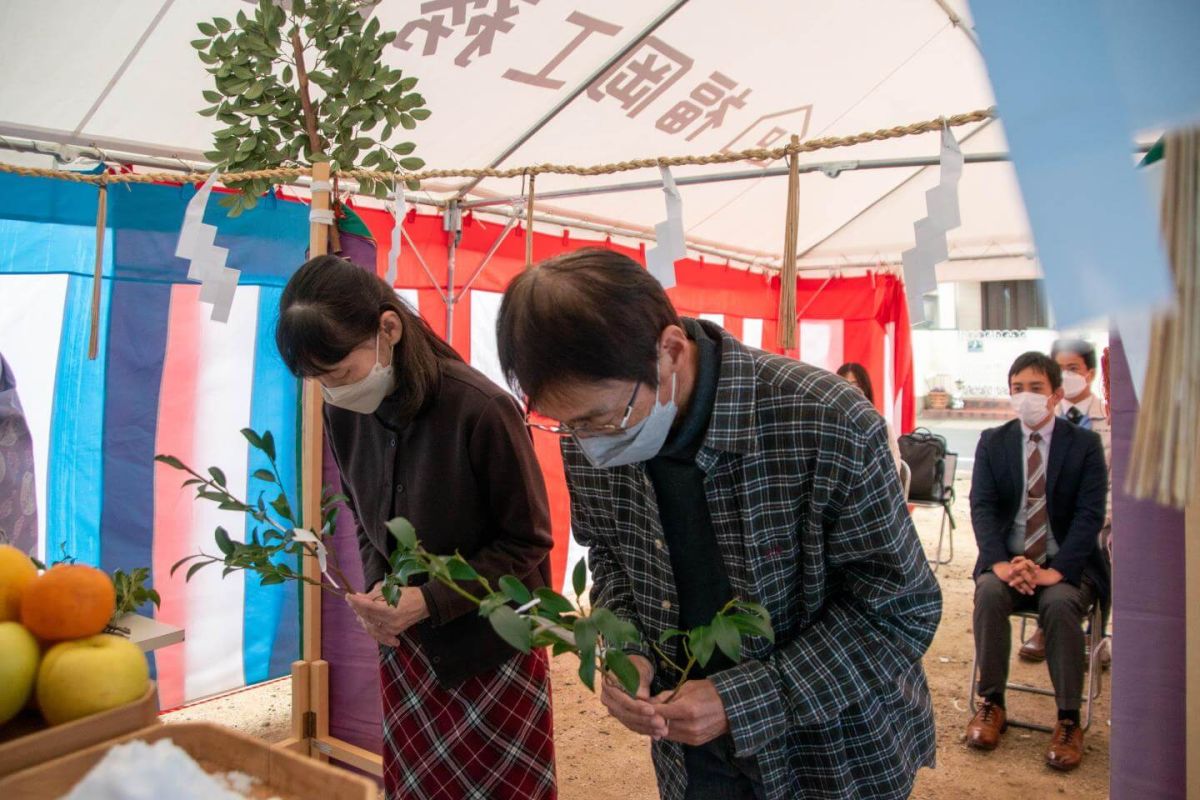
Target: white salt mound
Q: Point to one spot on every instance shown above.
(141, 771)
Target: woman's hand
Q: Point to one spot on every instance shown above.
(383, 622)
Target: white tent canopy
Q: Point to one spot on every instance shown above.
(121, 75)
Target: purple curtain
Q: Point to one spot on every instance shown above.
(355, 707)
(1148, 724)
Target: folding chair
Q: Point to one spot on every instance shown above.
(1094, 645)
(946, 529)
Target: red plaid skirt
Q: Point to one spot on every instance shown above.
(490, 738)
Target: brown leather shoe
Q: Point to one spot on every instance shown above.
(1066, 746)
(1035, 649)
(983, 732)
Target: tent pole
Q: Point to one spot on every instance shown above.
(830, 168)
(452, 224)
(512, 223)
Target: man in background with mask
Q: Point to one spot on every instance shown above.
(1037, 504)
(701, 470)
(1079, 405)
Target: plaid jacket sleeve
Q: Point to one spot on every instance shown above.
(883, 603)
(611, 587)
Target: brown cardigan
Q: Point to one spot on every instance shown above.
(463, 472)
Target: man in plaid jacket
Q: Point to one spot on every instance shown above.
(701, 470)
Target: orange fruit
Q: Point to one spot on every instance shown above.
(16, 571)
(68, 601)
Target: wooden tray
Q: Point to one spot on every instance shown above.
(28, 741)
(281, 773)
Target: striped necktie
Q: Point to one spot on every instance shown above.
(1036, 518)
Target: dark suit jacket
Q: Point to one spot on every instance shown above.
(1076, 485)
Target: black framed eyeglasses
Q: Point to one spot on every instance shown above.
(538, 422)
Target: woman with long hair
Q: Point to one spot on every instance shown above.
(417, 433)
(857, 376)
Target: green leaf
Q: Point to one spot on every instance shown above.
(407, 122)
(270, 579)
(587, 671)
(420, 114)
(282, 508)
(287, 74)
(391, 593)
(413, 185)
(222, 25)
(192, 570)
(207, 29)
(702, 642)
(616, 631)
(460, 570)
(585, 637)
(407, 84)
(727, 637)
(211, 96)
(200, 44)
(749, 625)
(174, 566)
(264, 475)
(412, 163)
(619, 665)
(559, 647)
(255, 91)
(579, 578)
(490, 603)
(408, 569)
(753, 608)
(217, 475)
(253, 438)
(552, 601)
(170, 461)
(223, 541)
(515, 590)
(404, 532)
(668, 635)
(512, 628)
(268, 444)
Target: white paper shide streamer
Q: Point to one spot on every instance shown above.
(206, 261)
(942, 215)
(302, 535)
(670, 245)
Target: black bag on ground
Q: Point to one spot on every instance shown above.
(925, 454)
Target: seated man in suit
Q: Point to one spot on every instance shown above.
(1037, 504)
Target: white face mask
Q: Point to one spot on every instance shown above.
(364, 396)
(1030, 407)
(1074, 384)
(633, 445)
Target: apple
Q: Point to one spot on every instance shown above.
(18, 668)
(90, 675)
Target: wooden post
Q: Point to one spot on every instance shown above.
(310, 675)
(98, 270)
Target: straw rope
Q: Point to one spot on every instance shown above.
(529, 223)
(98, 271)
(786, 336)
(284, 174)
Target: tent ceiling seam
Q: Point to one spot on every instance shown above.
(120, 73)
